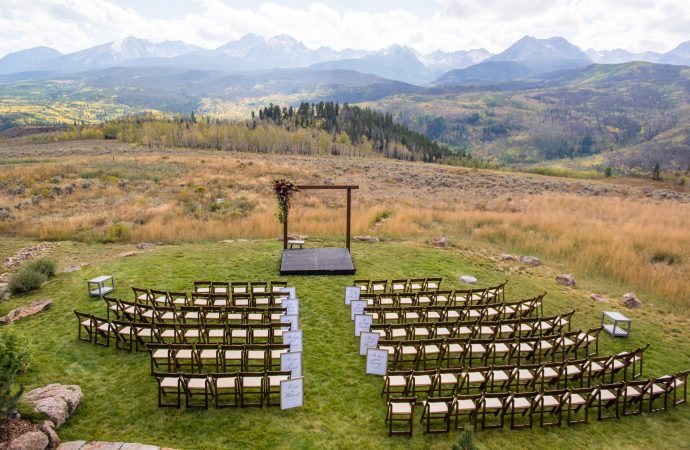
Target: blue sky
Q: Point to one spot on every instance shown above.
(426, 25)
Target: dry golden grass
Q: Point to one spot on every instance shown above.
(619, 234)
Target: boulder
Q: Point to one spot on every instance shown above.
(565, 280)
(33, 440)
(530, 261)
(441, 242)
(506, 257)
(631, 301)
(137, 446)
(26, 311)
(71, 445)
(70, 269)
(468, 279)
(101, 445)
(599, 298)
(48, 428)
(4, 291)
(226, 241)
(126, 254)
(56, 401)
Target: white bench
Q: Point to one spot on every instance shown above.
(293, 242)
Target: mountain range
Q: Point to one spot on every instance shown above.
(527, 57)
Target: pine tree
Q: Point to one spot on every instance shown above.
(8, 372)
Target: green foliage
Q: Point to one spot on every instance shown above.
(45, 266)
(26, 279)
(607, 171)
(656, 172)
(118, 232)
(465, 440)
(283, 189)
(14, 358)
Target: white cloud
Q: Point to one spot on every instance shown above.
(636, 25)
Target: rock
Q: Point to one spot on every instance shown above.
(28, 253)
(127, 254)
(48, 428)
(506, 257)
(100, 445)
(26, 311)
(631, 301)
(33, 440)
(468, 279)
(137, 446)
(599, 298)
(565, 280)
(71, 445)
(145, 245)
(57, 401)
(227, 241)
(36, 199)
(530, 261)
(441, 242)
(70, 269)
(4, 291)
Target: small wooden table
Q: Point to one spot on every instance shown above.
(614, 329)
(97, 287)
(299, 242)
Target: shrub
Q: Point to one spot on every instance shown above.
(26, 279)
(465, 440)
(607, 171)
(14, 357)
(44, 265)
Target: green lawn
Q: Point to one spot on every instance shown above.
(343, 408)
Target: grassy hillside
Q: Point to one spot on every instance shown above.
(343, 407)
(603, 114)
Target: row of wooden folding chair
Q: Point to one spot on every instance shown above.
(239, 287)
(400, 314)
(167, 298)
(129, 335)
(550, 408)
(514, 377)
(207, 358)
(476, 329)
(458, 297)
(400, 285)
(227, 389)
(123, 310)
(432, 353)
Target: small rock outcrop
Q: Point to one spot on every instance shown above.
(441, 242)
(530, 261)
(507, 257)
(468, 279)
(370, 239)
(33, 440)
(599, 298)
(4, 291)
(101, 445)
(48, 428)
(56, 401)
(565, 280)
(27, 254)
(631, 301)
(25, 311)
(127, 254)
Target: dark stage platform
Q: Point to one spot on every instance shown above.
(317, 261)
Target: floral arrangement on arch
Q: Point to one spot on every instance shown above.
(283, 189)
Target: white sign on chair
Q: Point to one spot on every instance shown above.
(290, 291)
(293, 339)
(291, 306)
(363, 323)
(292, 319)
(357, 307)
(291, 393)
(366, 341)
(352, 293)
(377, 361)
(293, 362)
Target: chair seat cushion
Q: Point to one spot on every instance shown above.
(401, 408)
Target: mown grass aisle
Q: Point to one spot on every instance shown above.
(343, 408)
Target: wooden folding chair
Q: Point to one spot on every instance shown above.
(184, 357)
(141, 295)
(208, 357)
(104, 329)
(577, 399)
(86, 325)
(272, 383)
(112, 306)
(220, 288)
(191, 333)
(196, 385)
(277, 286)
(492, 404)
(202, 287)
(231, 357)
(606, 396)
(251, 384)
(634, 393)
(124, 333)
(399, 285)
(225, 389)
(255, 358)
(145, 333)
(521, 405)
(466, 406)
(550, 403)
(421, 382)
(168, 384)
(400, 411)
(239, 287)
(432, 283)
(396, 383)
(438, 409)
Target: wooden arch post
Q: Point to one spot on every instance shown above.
(348, 188)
